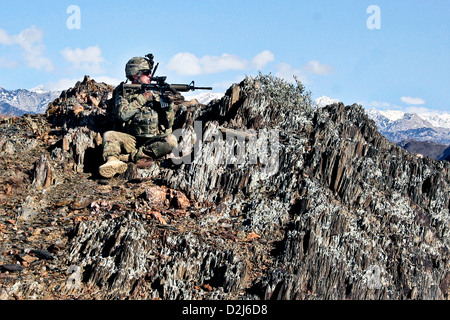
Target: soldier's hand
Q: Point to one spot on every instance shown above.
(168, 97)
(148, 95)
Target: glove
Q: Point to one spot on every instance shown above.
(162, 128)
(143, 98)
(168, 97)
(166, 100)
(148, 96)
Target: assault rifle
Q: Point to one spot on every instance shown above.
(159, 84)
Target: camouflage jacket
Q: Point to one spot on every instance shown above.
(142, 116)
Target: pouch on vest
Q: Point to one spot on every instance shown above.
(145, 124)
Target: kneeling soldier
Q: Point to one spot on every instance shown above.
(145, 126)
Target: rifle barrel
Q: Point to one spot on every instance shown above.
(187, 87)
(203, 88)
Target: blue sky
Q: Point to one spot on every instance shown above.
(402, 63)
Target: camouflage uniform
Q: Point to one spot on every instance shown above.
(144, 120)
(145, 127)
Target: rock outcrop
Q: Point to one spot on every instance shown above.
(265, 198)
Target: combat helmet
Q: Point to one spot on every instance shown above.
(138, 64)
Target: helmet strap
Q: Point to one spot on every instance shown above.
(136, 78)
(139, 77)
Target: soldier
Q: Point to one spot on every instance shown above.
(145, 131)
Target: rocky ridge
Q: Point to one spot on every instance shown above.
(328, 209)
(426, 148)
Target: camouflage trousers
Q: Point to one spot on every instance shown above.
(116, 143)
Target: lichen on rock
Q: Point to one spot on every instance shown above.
(267, 198)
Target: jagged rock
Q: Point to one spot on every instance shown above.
(83, 105)
(350, 201)
(11, 267)
(162, 196)
(29, 208)
(6, 146)
(42, 254)
(266, 198)
(43, 173)
(120, 259)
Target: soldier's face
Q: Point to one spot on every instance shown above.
(145, 77)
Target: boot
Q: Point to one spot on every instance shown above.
(144, 163)
(142, 160)
(125, 157)
(112, 166)
(138, 154)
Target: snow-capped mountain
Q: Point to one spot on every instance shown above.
(324, 101)
(398, 125)
(21, 101)
(437, 120)
(204, 97)
(393, 120)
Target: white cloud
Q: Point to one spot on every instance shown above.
(418, 110)
(188, 64)
(225, 62)
(89, 59)
(262, 59)
(224, 84)
(411, 100)
(30, 41)
(387, 106)
(286, 72)
(9, 64)
(5, 38)
(315, 67)
(61, 84)
(185, 63)
(108, 80)
(66, 83)
(376, 104)
(228, 83)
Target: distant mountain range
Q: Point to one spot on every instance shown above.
(21, 101)
(430, 149)
(204, 97)
(398, 126)
(426, 133)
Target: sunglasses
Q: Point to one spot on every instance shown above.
(146, 73)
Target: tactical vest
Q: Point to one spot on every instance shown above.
(144, 124)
